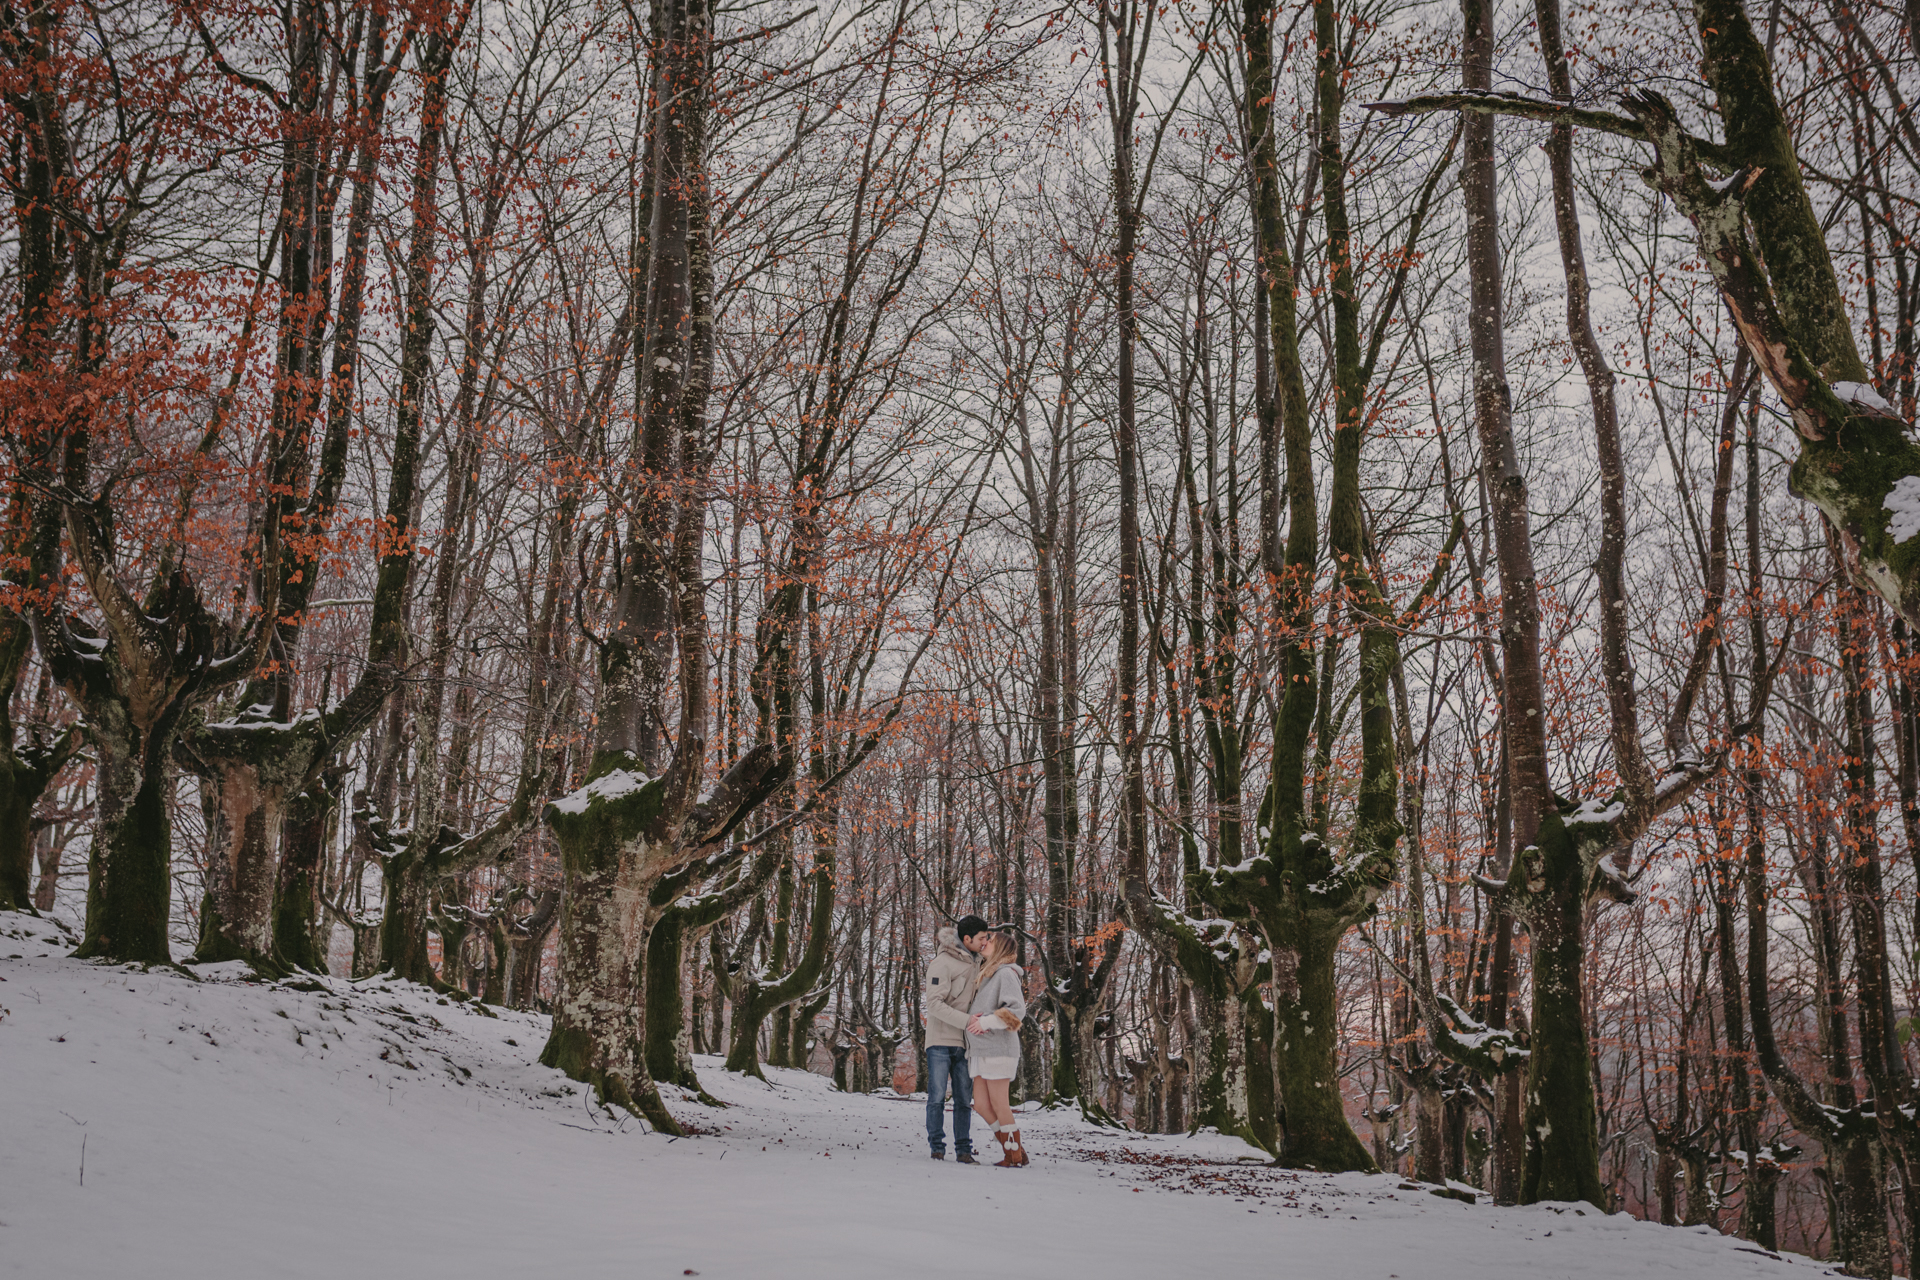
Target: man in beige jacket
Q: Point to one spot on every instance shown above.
(949, 990)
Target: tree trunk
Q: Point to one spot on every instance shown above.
(454, 932)
(1234, 1053)
(1316, 1133)
(130, 864)
(604, 929)
(634, 822)
(236, 919)
(1761, 1175)
(669, 1055)
(1430, 1125)
(528, 945)
(780, 1045)
(670, 1035)
(1562, 1125)
(1851, 1141)
(753, 1000)
(1263, 1103)
(298, 936)
(800, 1052)
(1523, 705)
(404, 923)
(17, 800)
(24, 778)
(1759, 1196)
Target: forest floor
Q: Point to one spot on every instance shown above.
(157, 1127)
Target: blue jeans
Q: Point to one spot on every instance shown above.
(949, 1063)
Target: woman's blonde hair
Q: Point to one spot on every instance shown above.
(1001, 950)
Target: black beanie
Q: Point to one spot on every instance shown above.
(967, 926)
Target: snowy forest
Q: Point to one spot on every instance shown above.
(1376, 535)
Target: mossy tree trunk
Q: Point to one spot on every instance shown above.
(1306, 1056)
(1263, 1098)
(26, 771)
(272, 784)
(129, 865)
(800, 1051)
(1303, 898)
(756, 997)
(1233, 1087)
(18, 796)
(238, 917)
(668, 1043)
(1424, 1081)
(366, 951)
(1562, 1126)
(614, 852)
(1233, 1090)
(669, 1057)
(780, 1042)
(248, 789)
(596, 1036)
(635, 820)
(1220, 1083)
(842, 1049)
(300, 924)
(455, 927)
(403, 922)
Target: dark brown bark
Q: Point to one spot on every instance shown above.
(1523, 706)
(641, 816)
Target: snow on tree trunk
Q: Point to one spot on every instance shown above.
(612, 855)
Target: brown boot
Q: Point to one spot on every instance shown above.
(1006, 1154)
(1017, 1149)
(1014, 1156)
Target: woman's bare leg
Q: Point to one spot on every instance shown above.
(996, 1092)
(982, 1103)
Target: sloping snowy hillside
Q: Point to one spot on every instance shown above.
(318, 1128)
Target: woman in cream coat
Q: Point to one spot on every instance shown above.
(993, 1044)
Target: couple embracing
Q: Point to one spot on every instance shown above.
(975, 1005)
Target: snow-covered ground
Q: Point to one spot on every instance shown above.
(320, 1128)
